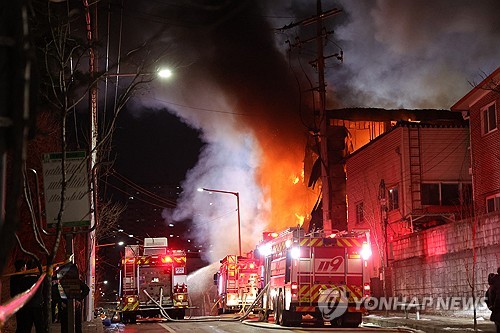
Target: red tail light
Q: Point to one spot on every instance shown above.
(366, 289)
(180, 288)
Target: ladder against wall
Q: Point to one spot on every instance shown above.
(415, 168)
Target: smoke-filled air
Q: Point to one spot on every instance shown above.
(250, 95)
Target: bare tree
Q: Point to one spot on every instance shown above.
(59, 34)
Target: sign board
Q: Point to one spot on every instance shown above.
(77, 204)
(72, 286)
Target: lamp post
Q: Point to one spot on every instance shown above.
(237, 195)
(163, 73)
(93, 100)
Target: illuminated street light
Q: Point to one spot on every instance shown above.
(163, 73)
(237, 194)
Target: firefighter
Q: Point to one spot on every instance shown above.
(493, 298)
(31, 313)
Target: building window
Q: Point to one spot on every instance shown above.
(450, 194)
(493, 203)
(446, 194)
(429, 194)
(393, 199)
(489, 118)
(360, 213)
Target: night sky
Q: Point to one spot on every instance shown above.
(155, 147)
(247, 100)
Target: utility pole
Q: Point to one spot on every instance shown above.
(382, 196)
(321, 117)
(91, 37)
(323, 128)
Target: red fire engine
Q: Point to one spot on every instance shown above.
(158, 271)
(238, 282)
(314, 275)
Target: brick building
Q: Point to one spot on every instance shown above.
(411, 178)
(438, 246)
(481, 105)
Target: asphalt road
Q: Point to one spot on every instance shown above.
(188, 326)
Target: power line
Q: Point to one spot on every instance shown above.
(137, 198)
(141, 189)
(200, 109)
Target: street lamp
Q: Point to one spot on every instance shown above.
(237, 194)
(163, 73)
(93, 150)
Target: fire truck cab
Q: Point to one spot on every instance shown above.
(158, 271)
(238, 282)
(322, 277)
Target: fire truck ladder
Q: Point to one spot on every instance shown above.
(308, 294)
(130, 276)
(415, 167)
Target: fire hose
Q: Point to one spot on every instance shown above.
(242, 317)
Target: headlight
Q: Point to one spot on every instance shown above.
(265, 249)
(366, 251)
(295, 252)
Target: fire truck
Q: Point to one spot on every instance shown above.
(238, 282)
(157, 271)
(314, 275)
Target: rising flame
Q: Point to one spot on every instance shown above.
(300, 219)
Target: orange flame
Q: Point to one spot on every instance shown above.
(291, 199)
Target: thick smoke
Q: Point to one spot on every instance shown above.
(234, 85)
(415, 54)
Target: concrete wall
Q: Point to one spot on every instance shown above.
(438, 262)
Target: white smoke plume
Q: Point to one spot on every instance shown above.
(234, 86)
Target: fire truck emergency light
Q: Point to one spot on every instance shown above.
(366, 251)
(166, 259)
(295, 252)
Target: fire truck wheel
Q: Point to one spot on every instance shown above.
(129, 317)
(181, 313)
(350, 320)
(290, 318)
(337, 322)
